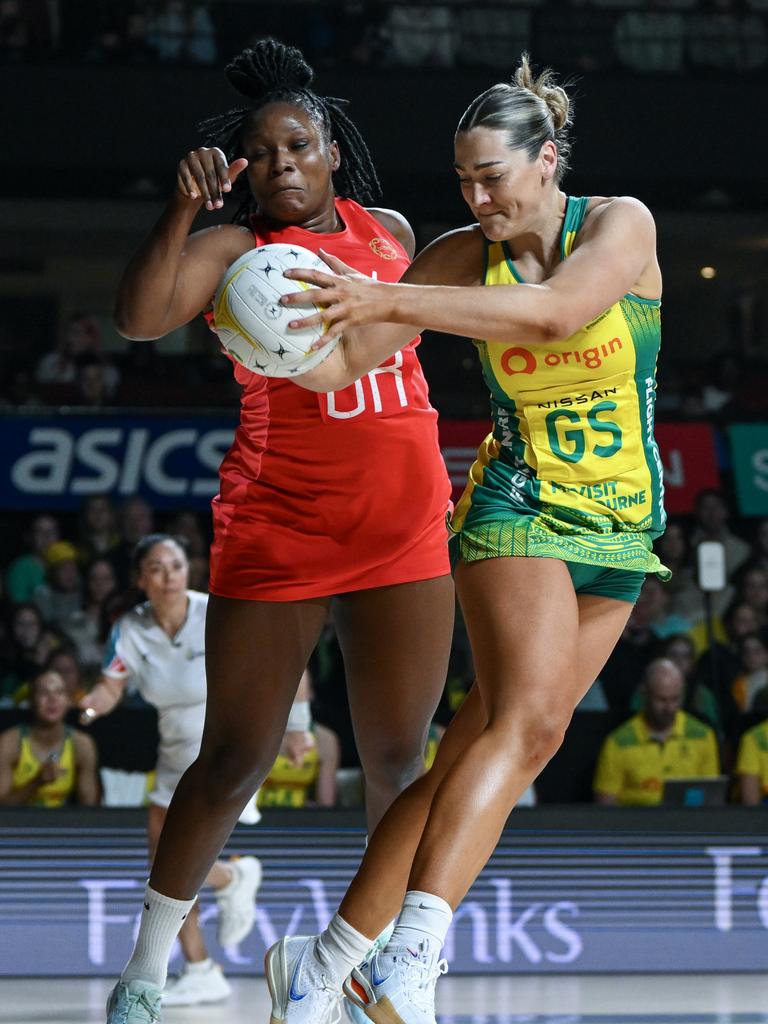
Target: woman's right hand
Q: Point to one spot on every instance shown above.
(204, 175)
(100, 701)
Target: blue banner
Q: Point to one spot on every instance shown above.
(670, 896)
(56, 461)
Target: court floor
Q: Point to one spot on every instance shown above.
(595, 999)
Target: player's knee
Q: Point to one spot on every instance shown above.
(393, 766)
(233, 771)
(542, 736)
(531, 736)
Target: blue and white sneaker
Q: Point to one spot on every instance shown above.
(134, 1002)
(302, 990)
(354, 1014)
(397, 986)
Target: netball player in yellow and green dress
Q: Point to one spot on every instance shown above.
(552, 536)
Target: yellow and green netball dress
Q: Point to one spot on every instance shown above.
(571, 469)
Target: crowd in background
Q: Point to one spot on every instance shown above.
(67, 578)
(656, 36)
(79, 372)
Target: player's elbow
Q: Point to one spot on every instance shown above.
(331, 375)
(131, 328)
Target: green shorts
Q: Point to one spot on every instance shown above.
(620, 584)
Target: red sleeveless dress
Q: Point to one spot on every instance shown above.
(324, 494)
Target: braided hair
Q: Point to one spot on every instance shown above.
(271, 72)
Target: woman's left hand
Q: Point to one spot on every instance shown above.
(348, 299)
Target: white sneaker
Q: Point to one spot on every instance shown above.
(194, 987)
(354, 1014)
(236, 901)
(134, 1002)
(397, 987)
(302, 990)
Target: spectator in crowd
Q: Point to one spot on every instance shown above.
(81, 336)
(724, 37)
(649, 623)
(752, 589)
(20, 390)
(45, 763)
(65, 662)
(720, 665)
(661, 742)
(420, 37)
(87, 626)
(721, 385)
(686, 599)
(59, 597)
(201, 37)
(698, 697)
(98, 531)
(752, 765)
(298, 778)
(488, 35)
(27, 572)
(651, 39)
(179, 31)
(750, 687)
(25, 650)
(187, 525)
(92, 387)
(712, 518)
(332, 720)
(136, 519)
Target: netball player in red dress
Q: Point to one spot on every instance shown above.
(333, 501)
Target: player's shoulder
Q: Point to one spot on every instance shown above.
(617, 211)
(397, 225)
(454, 258)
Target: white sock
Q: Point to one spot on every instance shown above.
(341, 947)
(198, 966)
(424, 918)
(161, 919)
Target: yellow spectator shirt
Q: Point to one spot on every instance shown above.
(288, 785)
(52, 794)
(753, 754)
(633, 765)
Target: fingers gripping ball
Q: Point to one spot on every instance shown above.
(252, 325)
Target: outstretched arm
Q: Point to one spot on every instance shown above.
(616, 247)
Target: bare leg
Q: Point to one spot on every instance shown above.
(256, 652)
(191, 937)
(376, 893)
(396, 643)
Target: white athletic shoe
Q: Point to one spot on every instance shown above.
(353, 1012)
(134, 1002)
(397, 987)
(236, 901)
(302, 990)
(194, 987)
